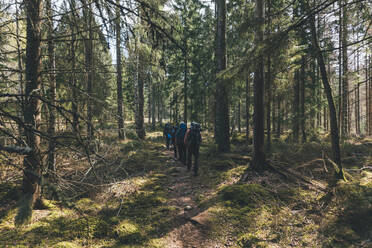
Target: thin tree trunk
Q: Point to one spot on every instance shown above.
(279, 118)
(345, 71)
(153, 105)
(74, 104)
(222, 136)
(327, 88)
(20, 75)
(52, 88)
(32, 173)
(185, 84)
(303, 120)
(268, 86)
(340, 97)
(357, 99)
(370, 95)
(140, 83)
(239, 119)
(247, 105)
(296, 106)
(367, 97)
(89, 67)
(149, 105)
(119, 88)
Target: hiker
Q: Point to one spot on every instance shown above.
(167, 134)
(180, 135)
(192, 141)
(173, 140)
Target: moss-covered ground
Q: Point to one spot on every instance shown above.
(141, 197)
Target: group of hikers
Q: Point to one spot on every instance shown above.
(185, 142)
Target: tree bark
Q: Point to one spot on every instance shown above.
(185, 84)
(88, 15)
(20, 75)
(74, 104)
(32, 173)
(296, 106)
(345, 71)
(222, 102)
(247, 105)
(303, 120)
(119, 84)
(332, 110)
(52, 88)
(258, 161)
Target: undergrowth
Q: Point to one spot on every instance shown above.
(130, 205)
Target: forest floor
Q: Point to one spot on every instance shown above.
(142, 197)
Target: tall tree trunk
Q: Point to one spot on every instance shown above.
(296, 106)
(185, 85)
(279, 118)
(303, 120)
(258, 161)
(247, 105)
(239, 119)
(345, 71)
(153, 104)
(268, 85)
(328, 91)
(74, 104)
(357, 99)
(88, 15)
(368, 111)
(340, 108)
(140, 129)
(119, 84)
(222, 102)
(32, 173)
(20, 75)
(369, 68)
(149, 105)
(52, 88)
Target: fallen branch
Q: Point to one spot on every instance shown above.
(17, 149)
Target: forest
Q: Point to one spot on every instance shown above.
(281, 91)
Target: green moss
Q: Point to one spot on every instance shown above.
(244, 194)
(250, 240)
(65, 244)
(128, 232)
(222, 164)
(87, 205)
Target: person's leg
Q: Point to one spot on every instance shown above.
(196, 163)
(167, 142)
(183, 154)
(189, 157)
(175, 149)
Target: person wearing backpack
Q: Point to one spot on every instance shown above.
(192, 141)
(180, 135)
(167, 134)
(173, 133)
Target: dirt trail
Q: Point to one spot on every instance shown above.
(192, 223)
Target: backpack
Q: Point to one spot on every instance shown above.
(195, 136)
(167, 129)
(180, 135)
